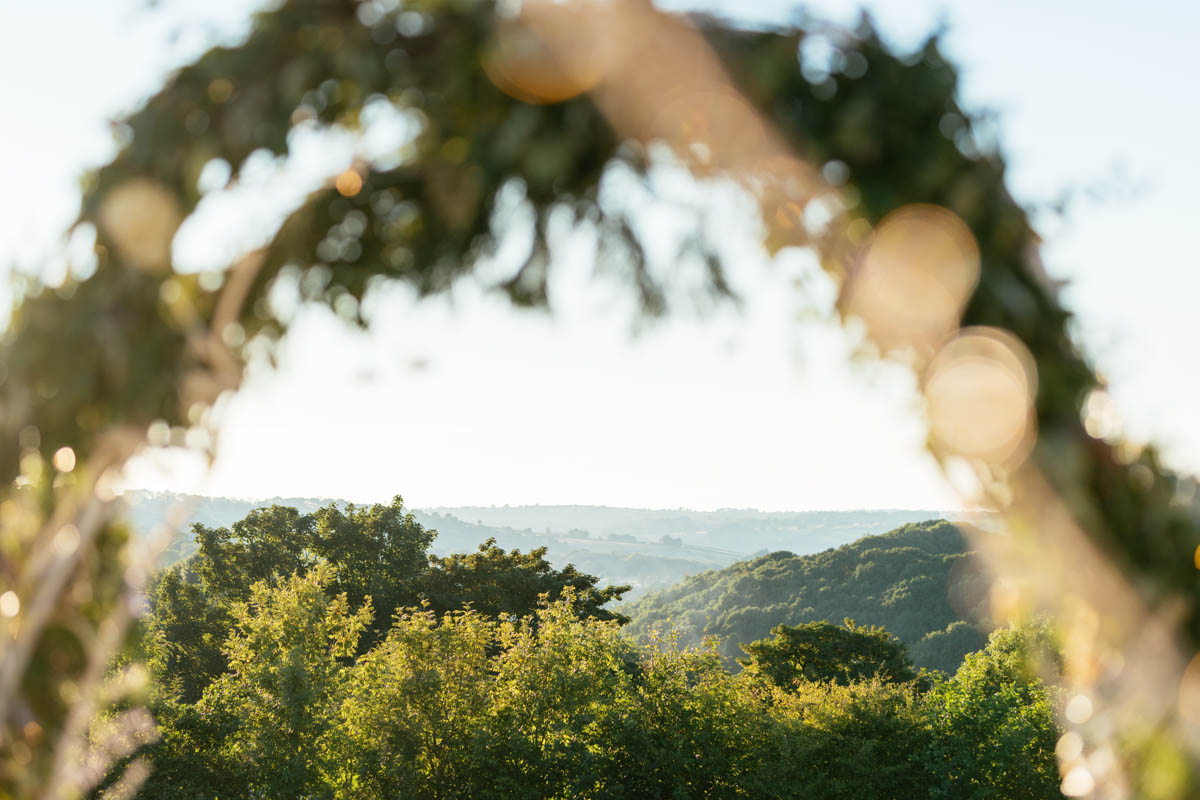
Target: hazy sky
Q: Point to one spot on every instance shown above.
(480, 405)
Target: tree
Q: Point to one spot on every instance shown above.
(994, 722)
(867, 739)
(944, 650)
(510, 584)
(690, 729)
(277, 703)
(558, 677)
(268, 544)
(365, 557)
(821, 652)
(377, 552)
(415, 710)
(185, 634)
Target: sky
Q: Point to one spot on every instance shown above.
(463, 401)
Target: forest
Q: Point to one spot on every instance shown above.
(331, 654)
(920, 581)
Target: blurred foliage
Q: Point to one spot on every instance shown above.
(918, 582)
(123, 343)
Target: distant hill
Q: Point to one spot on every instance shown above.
(645, 548)
(919, 581)
(744, 531)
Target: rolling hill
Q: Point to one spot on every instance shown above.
(920, 581)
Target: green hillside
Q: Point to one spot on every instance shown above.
(920, 581)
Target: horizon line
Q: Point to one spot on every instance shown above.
(510, 506)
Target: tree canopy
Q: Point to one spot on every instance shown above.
(559, 703)
(271, 675)
(818, 652)
(371, 555)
